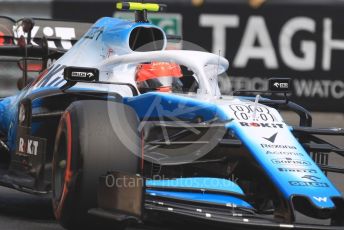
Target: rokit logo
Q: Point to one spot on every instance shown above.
(28, 146)
(270, 146)
(295, 170)
(289, 161)
(284, 153)
(261, 125)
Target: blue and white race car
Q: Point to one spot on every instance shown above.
(121, 128)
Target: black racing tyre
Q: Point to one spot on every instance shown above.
(88, 145)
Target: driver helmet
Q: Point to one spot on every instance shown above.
(157, 76)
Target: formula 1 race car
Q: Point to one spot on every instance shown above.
(123, 129)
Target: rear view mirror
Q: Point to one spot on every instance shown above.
(280, 85)
(32, 65)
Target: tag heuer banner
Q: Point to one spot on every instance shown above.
(300, 39)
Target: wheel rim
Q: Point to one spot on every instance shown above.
(60, 168)
(62, 174)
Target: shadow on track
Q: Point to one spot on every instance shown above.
(21, 205)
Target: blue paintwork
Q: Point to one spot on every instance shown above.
(170, 105)
(8, 119)
(111, 33)
(116, 32)
(7, 111)
(105, 35)
(282, 180)
(201, 183)
(201, 197)
(188, 109)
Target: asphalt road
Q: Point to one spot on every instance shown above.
(19, 211)
(327, 120)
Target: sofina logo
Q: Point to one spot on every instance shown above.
(289, 161)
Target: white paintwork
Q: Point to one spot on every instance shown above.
(122, 68)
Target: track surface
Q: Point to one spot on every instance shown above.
(20, 211)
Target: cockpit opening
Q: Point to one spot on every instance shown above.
(144, 39)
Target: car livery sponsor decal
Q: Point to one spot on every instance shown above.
(297, 170)
(320, 199)
(284, 153)
(27, 146)
(272, 138)
(290, 161)
(276, 146)
(280, 154)
(262, 125)
(311, 177)
(245, 112)
(309, 184)
(60, 35)
(30, 146)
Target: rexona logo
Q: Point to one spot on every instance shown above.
(308, 184)
(284, 153)
(289, 161)
(262, 125)
(295, 170)
(271, 146)
(28, 146)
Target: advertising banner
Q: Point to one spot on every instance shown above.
(303, 40)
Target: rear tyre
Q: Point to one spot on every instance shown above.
(87, 147)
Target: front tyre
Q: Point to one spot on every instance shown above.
(88, 145)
